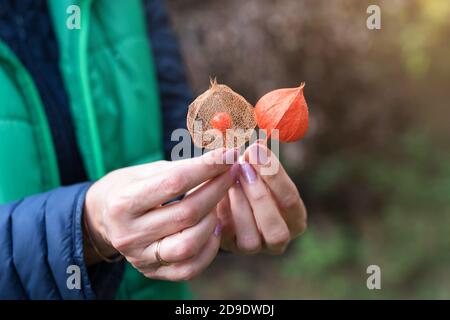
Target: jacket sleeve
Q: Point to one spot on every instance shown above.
(175, 92)
(41, 247)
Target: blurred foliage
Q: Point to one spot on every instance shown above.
(374, 169)
(408, 240)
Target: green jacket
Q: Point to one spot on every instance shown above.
(109, 74)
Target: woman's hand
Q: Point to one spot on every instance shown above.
(124, 214)
(261, 212)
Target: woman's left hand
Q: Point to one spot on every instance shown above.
(263, 211)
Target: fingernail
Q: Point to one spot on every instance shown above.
(229, 156)
(248, 172)
(259, 154)
(218, 229)
(234, 171)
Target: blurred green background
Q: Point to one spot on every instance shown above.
(374, 169)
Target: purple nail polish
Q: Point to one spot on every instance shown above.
(234, 171)
(248, 172)
(218, 229)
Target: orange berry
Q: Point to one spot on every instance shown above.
(221, 121)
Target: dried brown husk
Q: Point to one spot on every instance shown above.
(220, 98)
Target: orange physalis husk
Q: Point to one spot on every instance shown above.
(220, 117)
(285, 110)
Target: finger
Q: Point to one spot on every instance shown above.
(281, 186)
(177, 216)
(175, 179)
(220, 156)
(248, 239)
(226, 222)
(180, 246)
(190, 268)
(268, 218)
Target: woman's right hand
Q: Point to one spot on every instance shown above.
(124, 213)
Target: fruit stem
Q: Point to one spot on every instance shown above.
(212, 82)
